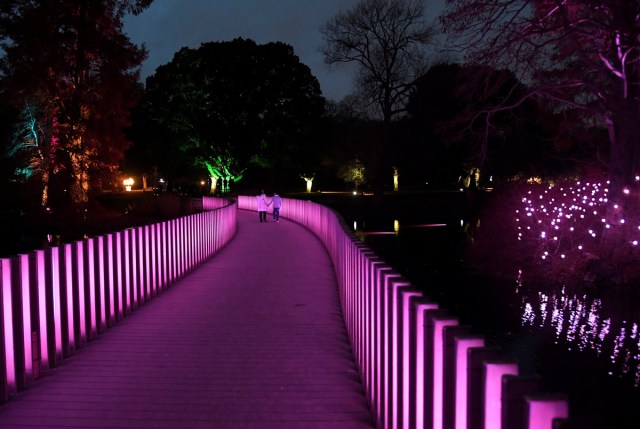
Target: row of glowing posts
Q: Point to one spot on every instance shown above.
(442, 348)
(405, 387)
(399, 340)
(108, 276)
(420, 345)
(419, 367)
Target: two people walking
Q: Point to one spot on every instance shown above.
(263, 204)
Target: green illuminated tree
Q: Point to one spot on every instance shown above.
(235, 107)
(353, 172)
(72, 72)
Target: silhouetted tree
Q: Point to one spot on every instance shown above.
(72, 72)
(452, 112)
(387, 40)
(576, 54)
(229, 106)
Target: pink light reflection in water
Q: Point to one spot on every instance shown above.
(584, 323)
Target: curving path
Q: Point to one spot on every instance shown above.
(254, 338)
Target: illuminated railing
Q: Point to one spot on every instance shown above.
(53, 301)
(420, 368)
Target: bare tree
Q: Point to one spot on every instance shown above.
(386, 39)
(574, 54)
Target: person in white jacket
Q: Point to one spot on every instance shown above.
(261, 201)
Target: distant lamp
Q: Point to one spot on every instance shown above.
(128, 183)
(395, 179)
(309, 180)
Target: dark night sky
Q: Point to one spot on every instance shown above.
(168, 25)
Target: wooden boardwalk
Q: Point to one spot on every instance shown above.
(254, 338)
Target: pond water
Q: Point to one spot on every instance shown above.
(585, 344)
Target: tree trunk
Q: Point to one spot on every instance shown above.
(80, 184)
(623, 186)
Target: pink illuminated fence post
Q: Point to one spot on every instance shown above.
(407, 358)
(55, 316)
(515, 390)
(22, 320)
(119, 275)
(164, 262)
(387, 405)
(40, 292)
(101, 285)
(79, 290)
(373, 385)
(542, 410)
(90, 285)
(126, 273)
(462, 345)
(68, 314)
(141, 266)
(450, 372)
(494, 371)
(475, 382)
(7, 357)
(153, 250)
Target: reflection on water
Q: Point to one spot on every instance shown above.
(584, 344)
(577, 321)
(581, 322)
